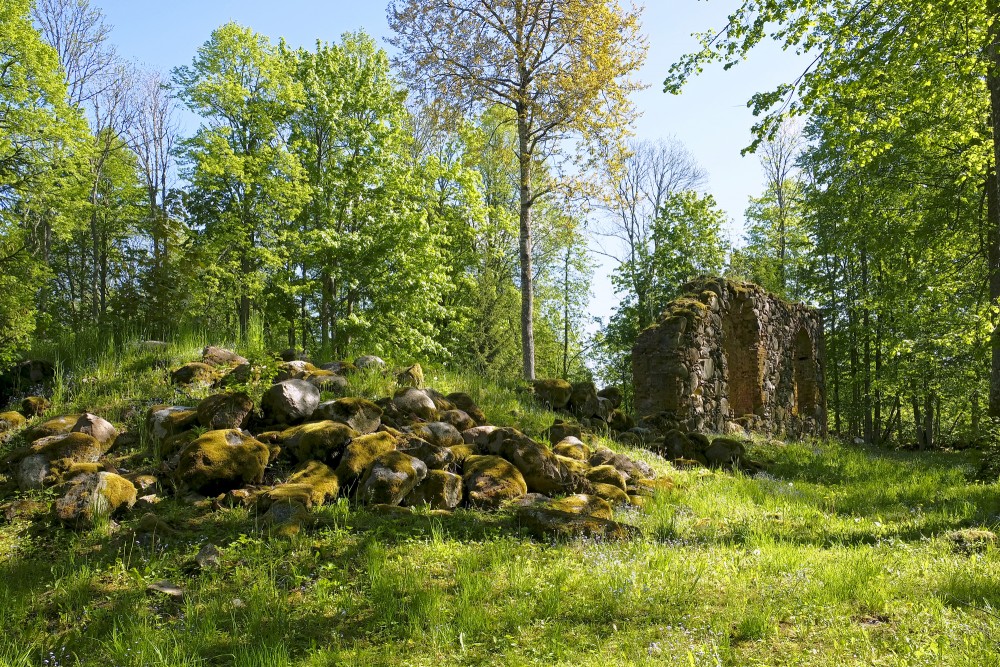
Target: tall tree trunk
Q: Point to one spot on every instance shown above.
(993, 82)
(524, 246)
(565, 372)
(918, 423)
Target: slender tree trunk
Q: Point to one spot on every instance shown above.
(565, 372)
(918, 422)
(993, 83)
(975, 416)
(524, 246)
(877, 425)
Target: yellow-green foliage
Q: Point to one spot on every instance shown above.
(607, 475)
(583, 504)
(222, 459)
(360, 454)
(491, 480)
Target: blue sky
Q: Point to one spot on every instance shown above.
(710, 117)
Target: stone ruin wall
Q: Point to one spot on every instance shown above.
(730, 352)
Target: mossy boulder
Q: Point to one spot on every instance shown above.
(649, 487)
(584, 504)
(173, 444)
(361, 453)
(464, 402)
(370, 362)
(361, 415)
(294, 370)
(542, 471)
(242, 374)
(441, 434)
(490, 481)
(290, 402)
(220, 356)
(434, 457)
(195, 372)
(11, 421)
(291, 354)
(328, 381)
(342, 367)
(573, 448)
(286, 518)
(225, 411)
(613, 494)
(321, 441)
(543, 522)
(390, 478)
(629, 467)
(411, 377)
(33, 406)
(56, 426)
(583, 400)
(313, 483)
(971, 540)
(90, 497)
(620, 422)
(413, 401)
(607, 474)
(46, 460)
(725, 452)
(479, 435)
(463, 452)
(553, 393)
(165, 421)
(101, 429)
(219, 461)
(612, 394)
(561, 430)
(460, 419)
(440, 490)
(675, 445)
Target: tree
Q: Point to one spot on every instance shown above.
(562, 67)
(245, 182)
(38, 132)
(932, 55)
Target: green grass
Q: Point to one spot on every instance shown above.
(836, 556)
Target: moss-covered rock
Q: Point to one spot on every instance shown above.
(464, 402)
(361, 453)
(343, 367)
(413, 401)
(434, 457)
(553, 393)
(440, 490)
(542, 471)
(724, 452)
(296, 369)
(611, 493)
(971, 540)
(56, 426)
(220, 356)
(561, 430)
(582, 504)
(33, 406)
(612, 394)
(572, 448)
(90, 497)
(369, 362)
(361, 415)
(101, 429)
(390, 478)
(241, 374)
(286, 519)
(225, 411)
(620, 422)
(290, 402)
(544, 523)
(441, 434)
(195, 372)
(583, 400)
(313, 483)
(173, 444)
(457, 418)
(479, 435)
(165, 421)
(321, 441)
(328, 381)
(490, 481)
(411, 377)
(11, 421)
(607, 475)
(629, 467)
(222, 460)
(463, 452)
(649, 487)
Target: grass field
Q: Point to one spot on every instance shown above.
(837, 555)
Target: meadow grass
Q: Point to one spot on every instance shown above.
(836, 555)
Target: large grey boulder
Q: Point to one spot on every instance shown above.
(391, 478)
(290, 402)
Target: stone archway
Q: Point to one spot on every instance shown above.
(806, 392)
(741, 345)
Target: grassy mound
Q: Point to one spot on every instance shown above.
(836, 555)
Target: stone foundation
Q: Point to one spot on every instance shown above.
(728, 351)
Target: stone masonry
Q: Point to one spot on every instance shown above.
(728, 351)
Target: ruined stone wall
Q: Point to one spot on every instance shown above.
(728, 351)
